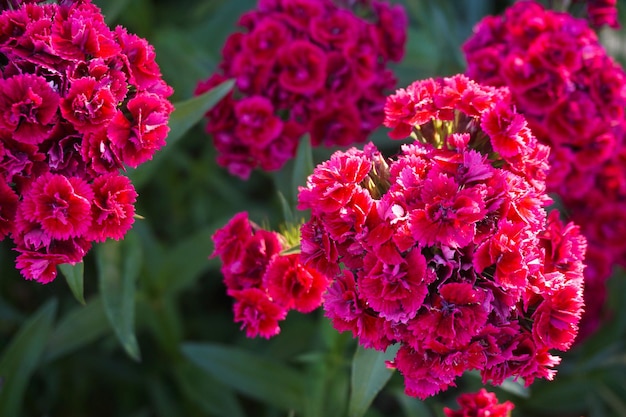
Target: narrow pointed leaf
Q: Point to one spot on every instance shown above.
(213, 397)
(74, 277)
(303, 165)
(259, 377)
(118, 266)
(77, 328)
(21, 357)
(369, 376)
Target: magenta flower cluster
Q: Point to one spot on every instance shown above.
(480, 404)
(303, 66)
(446, 248)
(573, 96)
(78, 101)
(264, 282)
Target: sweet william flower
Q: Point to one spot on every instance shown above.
(451, 234)
(302, 57)
(78, 102)
(572, 95)
(480, 404)
(265, 284)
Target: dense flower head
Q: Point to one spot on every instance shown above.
(480, 404)
(446, 248)
(78, 102)
(572, 94)
(264, 281)
(305, 66)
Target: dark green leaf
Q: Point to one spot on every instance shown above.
(74, 277)
(21, 357)
(118, 266)
(186, 114)
(77, 328)
(303, 165)
(259, 377)
(206, 392)
(369, 376)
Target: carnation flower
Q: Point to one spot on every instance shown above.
(303, 66)
(264, 283)
(78, 101)
(572, 95)
(446, 248)
(480, 404)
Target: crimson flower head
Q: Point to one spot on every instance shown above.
(78, 102)
(480, 404)
(303, 66)
(264, 283)
(446, 248)
(572, 94)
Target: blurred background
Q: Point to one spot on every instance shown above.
(179, 298)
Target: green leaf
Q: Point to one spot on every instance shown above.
(286, 207)
(259, 377)
(74, 277)
(185, 261)
(77, 328)
(369, 376)
(186, 114)
(206, 392)
(21, 357)
(303, 165)
(118, 265)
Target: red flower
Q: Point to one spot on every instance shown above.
(302, 67)
(480, 404)
(88, 106)
(258, 315)
(62, 205)
(113, 207)
(8, 207)
(137, 137)
(28, 107)
(292, 285)
(256, 123)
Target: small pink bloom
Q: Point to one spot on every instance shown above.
(28, 107)
(88, 107)
(258, 315)
(113, 207)
(302, 67)
(480, 404)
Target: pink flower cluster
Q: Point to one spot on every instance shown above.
(78, 101)
(303, 66)
(480, 404)
(573, 96)
(264, 283)
(446, 248)
(602, 13)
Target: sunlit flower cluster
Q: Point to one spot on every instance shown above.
(573, 96)
(303, 66)
(78, 102)
(264, 283)
(446, 248)
(480, 404)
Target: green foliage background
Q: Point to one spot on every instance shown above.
(155, 336)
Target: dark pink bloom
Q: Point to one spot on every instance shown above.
(480, 404)
(446, 247)
(28, 107)
(61, 205)
(139, 135)
(293, 285)
(8, 207)
(302, 67)
(256, 123)
(320, 65)
(87, 106)
(258, 315)
(113, 207)
(79, 31)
